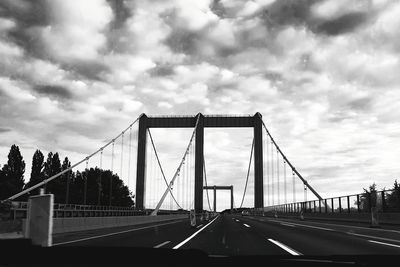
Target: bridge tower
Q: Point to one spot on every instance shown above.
(215, 121)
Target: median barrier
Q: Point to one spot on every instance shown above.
(65, 225)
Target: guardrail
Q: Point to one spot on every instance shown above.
(385, 201)
(18, 210)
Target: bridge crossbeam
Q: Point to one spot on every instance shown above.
(215, 188)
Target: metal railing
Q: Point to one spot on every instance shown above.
(383, 201)
(19, 210)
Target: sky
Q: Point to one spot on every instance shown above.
(323, 74)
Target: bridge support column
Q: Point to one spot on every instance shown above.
(141, 162)
(231, 198)
(199, 163)
(258, 162)
(215, 198)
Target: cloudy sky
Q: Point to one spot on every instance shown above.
(324, 75)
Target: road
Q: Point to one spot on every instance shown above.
(246, 235)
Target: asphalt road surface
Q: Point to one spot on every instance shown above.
(246, 235)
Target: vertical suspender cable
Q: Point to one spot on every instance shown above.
(277, 175)
(149, 171)
(263, 153)
(68, 176)
(129, 157)
(305, 192)
(122, 155)
(268, 175)
(272, 173)
(85, 182)
(294, 187)
(284, 180)
(151, 179)
(181, 186)
(112, 170)
(193, 163)
(267, 171)
(187, 181)
(190, 178)
(99, 179)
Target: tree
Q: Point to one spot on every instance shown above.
(52, 166)
(37, 174)
(393, 199)
(76, 189)
(66, 178)
(368, 198)
(120, 195)
(3, 186)
(98, 182)
(12, 176)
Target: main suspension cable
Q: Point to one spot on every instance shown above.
(291, 166)
(205, 179)
(177, 170)
(159, 164)
(248, 173)
(67, 169)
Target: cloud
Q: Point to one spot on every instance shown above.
(4, 130)
(125, 68)
(65, 39)
(54, 90)
(15, 90)
(343, 24)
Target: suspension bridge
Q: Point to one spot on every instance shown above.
(287, 216)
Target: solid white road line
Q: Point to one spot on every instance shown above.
(116, 233)
(284, 247)
(303, 225)
(246, 225)
(199, 226)
(386, 244)
(162, 244)
(286, 224)
(350, 226)
(375, 237)
(193, 235)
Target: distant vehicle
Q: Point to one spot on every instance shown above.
(245, 212)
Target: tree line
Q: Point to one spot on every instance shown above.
(93, 186)
(388, 200)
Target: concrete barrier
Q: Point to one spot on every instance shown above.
(39, 223)
(65, 225)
